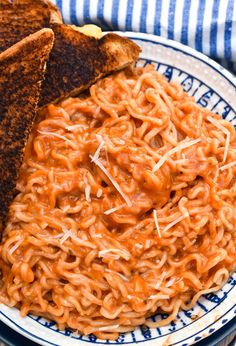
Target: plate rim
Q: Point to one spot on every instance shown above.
(171, 44)
(185, 50)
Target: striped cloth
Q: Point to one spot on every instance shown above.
(209, 26)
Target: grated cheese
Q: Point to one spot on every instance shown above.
(156, 222)
(87, 193)
(67, 235)
(179, 147)
(87, 190)
(182, 217)
(229, 165)
(52, 134)
(159, 282)
(99, 193)
(172, 281)
(119, 274)
(15, 247)
(97, 152)
(225, 131)
(115, 184)
(181, 162)
(108, 328)
(58, 236)
(138, 246)
(98, 235)
(99, 137)
(120, 252)
(159, 296)
(75, 127)
(112, 210)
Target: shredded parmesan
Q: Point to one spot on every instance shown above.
(52, 134)
(181, 162)
(87, 190)
(87, 193)
(99, 193)
(108, 328)
(95, 157)
(119, 274)
(156, 222)
(98, 235)
(15, 247)
(179, 147)
(159, 296)
(225, 131)
(229, 165)
(112, 210)
(67, 234)
(159, 282)
(120, 252)
(182, 217)
(138, 246)
(172, 281)
(75, 127)
(116, 185)
(58, 236)
(99, 137)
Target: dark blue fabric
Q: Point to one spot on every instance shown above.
(157, 20)
(185, 22)
(199, 29)
(171, 20)
(73, 16)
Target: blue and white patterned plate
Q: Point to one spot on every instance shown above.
(213, 87)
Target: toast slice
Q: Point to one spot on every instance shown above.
(20, 18)
(77, 61)
(22, 70)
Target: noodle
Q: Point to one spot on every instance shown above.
(126, 207)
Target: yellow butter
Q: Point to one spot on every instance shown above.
(89, 30)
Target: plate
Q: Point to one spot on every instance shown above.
(214, 88)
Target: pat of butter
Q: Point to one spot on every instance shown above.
(89, 30)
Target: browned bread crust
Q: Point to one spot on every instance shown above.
(22, 70)
(120, 52)
(77, 61)
(20, 18)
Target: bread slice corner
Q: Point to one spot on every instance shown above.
(21, 18)
(77, 61)
(22, 69)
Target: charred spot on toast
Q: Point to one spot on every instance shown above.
(75, 60)
(19, 19)
(21, 72)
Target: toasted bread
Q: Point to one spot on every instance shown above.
(78, 60)
(20, 18)
(22, 69)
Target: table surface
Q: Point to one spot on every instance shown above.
(229, 340)
(15, 339)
